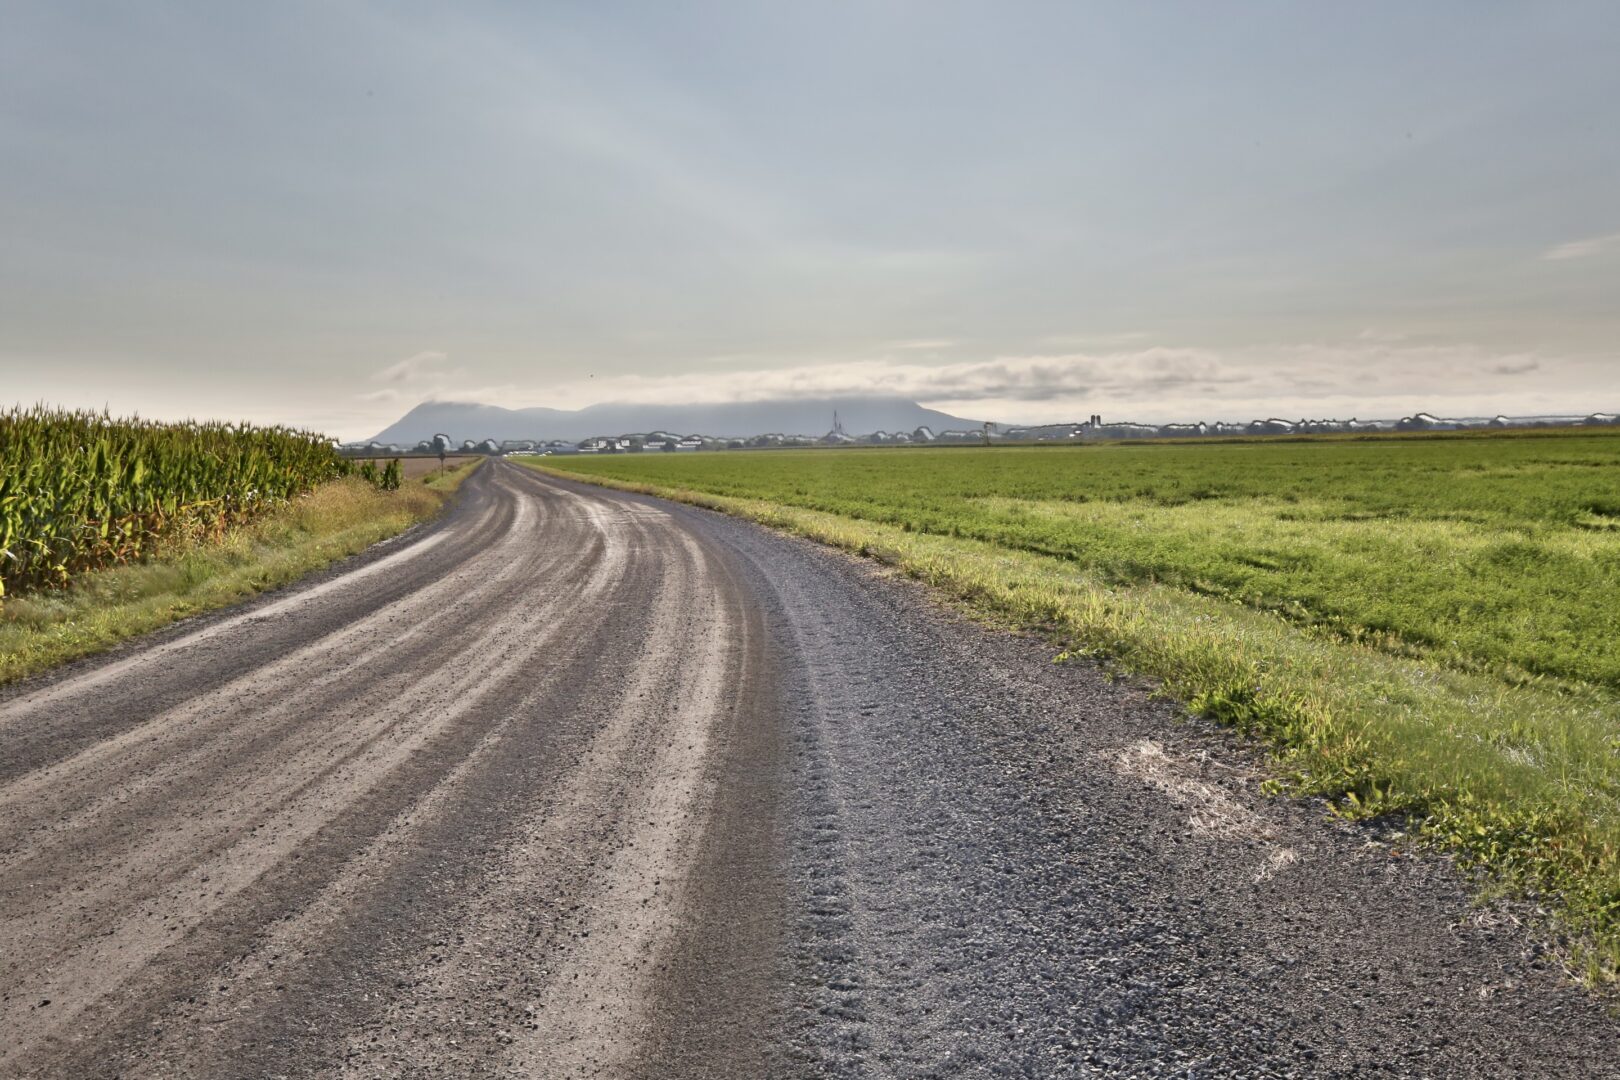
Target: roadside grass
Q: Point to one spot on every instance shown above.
(101, 608)
(421, 466)
(1514, 771)
(1499, 554)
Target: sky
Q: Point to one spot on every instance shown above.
(323, 213)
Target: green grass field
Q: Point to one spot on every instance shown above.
(1425, 625)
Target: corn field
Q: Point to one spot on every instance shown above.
(82, 490)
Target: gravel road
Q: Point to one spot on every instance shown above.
(579, 783)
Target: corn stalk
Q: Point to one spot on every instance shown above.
(82, 490)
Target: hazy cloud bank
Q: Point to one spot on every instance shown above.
(1365, 377)
(1581, 249)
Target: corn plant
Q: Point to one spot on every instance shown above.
(81, 490)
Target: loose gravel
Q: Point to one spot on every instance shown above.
(582, 783)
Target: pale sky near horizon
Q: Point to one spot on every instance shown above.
(321, 213)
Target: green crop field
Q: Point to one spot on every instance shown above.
(1425, 625)
(111, 527)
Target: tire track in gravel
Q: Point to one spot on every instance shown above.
(534, 718)
(190, 858)
(207, 732)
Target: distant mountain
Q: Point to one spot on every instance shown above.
(465, 420)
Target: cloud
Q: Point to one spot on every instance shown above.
(1018, 378)
(1383, 377)
(1379, 375)
(428, 376)
(501, 393)
(1096, 341)
(1581, 249)
(924, 344)
(412, 368)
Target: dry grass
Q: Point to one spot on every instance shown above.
(417, 468)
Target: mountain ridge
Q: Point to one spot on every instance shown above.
(804, 416)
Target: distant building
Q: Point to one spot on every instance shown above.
(1426, 422)
(1272, 426)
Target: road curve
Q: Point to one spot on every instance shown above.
(579, 783)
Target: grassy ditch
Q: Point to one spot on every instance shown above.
(1514, 772)
(187, 577)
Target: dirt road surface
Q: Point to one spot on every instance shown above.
(577, 783)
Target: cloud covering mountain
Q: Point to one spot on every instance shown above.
(1377, 373)
(804, 416)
